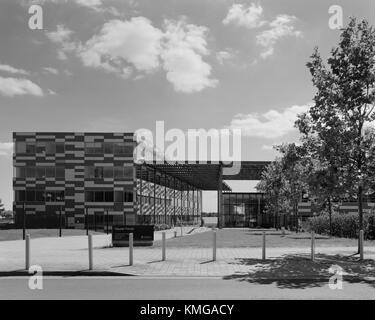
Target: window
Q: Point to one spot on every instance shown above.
(60, 195)
(108, 196)
(50, 147)
(40, 172)
(30, 195)
(30, 147)
(60, 172)
(50, 172)
(119, 196)
(20, 172)
(20, 195)
(99, 196)
(40, 147)
(128, 196)
(128, 172)
(108, 147)
(89, 196)
(30, 172)
(50, 196)
(123, 149)
(108, 172)
(20, 147)
(99, 172)
(60, 147)
(93, 147)
(39, 195)
(89, 172)
(118, 172)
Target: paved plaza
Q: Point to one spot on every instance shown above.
(70, 254)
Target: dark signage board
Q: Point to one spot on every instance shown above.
(142, 235)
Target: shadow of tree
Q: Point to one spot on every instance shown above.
(298, 271)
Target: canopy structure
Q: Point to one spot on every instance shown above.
(198, 175)
(204, 176)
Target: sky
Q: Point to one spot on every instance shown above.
(122, 65)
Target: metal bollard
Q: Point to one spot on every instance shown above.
(91, 260)
(361, 239)
(264, 246)
(163, 249)
(130, 249)
(313, 246)
(27, 252)
(214, 246)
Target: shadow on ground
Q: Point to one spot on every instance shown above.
(299, 272)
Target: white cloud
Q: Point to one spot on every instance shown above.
(51, 70)
(19, 86)
(281, 27)
(185, 45)
(62, 37)
(6, 148)
(225, 55)
(249, 17)
(135, 45)
(10, 69)
(271, 124)
(120, 43)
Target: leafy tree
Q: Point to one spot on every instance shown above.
(283, 181)
(272, 184)
(344, 107)
(2, 210)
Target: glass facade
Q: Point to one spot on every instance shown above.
(244, 210)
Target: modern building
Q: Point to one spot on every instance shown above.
(91, 180)
(245, 210)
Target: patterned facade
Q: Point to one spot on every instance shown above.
(88, 180)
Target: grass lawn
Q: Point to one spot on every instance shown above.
(16, 234)
(241, 238)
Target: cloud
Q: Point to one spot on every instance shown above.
(249, 17)
(184, 48)
(135, 45)
(123, 43)
(10, 69)
(280, 27)
(225, 55)
(19, 86)
(50, 70)
(6, 148)
(271, 124)
(62, 37)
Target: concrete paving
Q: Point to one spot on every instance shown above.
(71, 254)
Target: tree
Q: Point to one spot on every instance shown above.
(272, 184)
(344, 106)
(2, 210)
(283, 181)
(324, 178)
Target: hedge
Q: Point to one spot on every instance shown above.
(344, 225)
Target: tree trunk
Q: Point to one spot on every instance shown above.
(296, 215)
(330, 215)
(360, 213)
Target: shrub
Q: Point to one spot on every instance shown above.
(344, 225)
(161, 226)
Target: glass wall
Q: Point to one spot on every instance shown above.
(243, 209)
